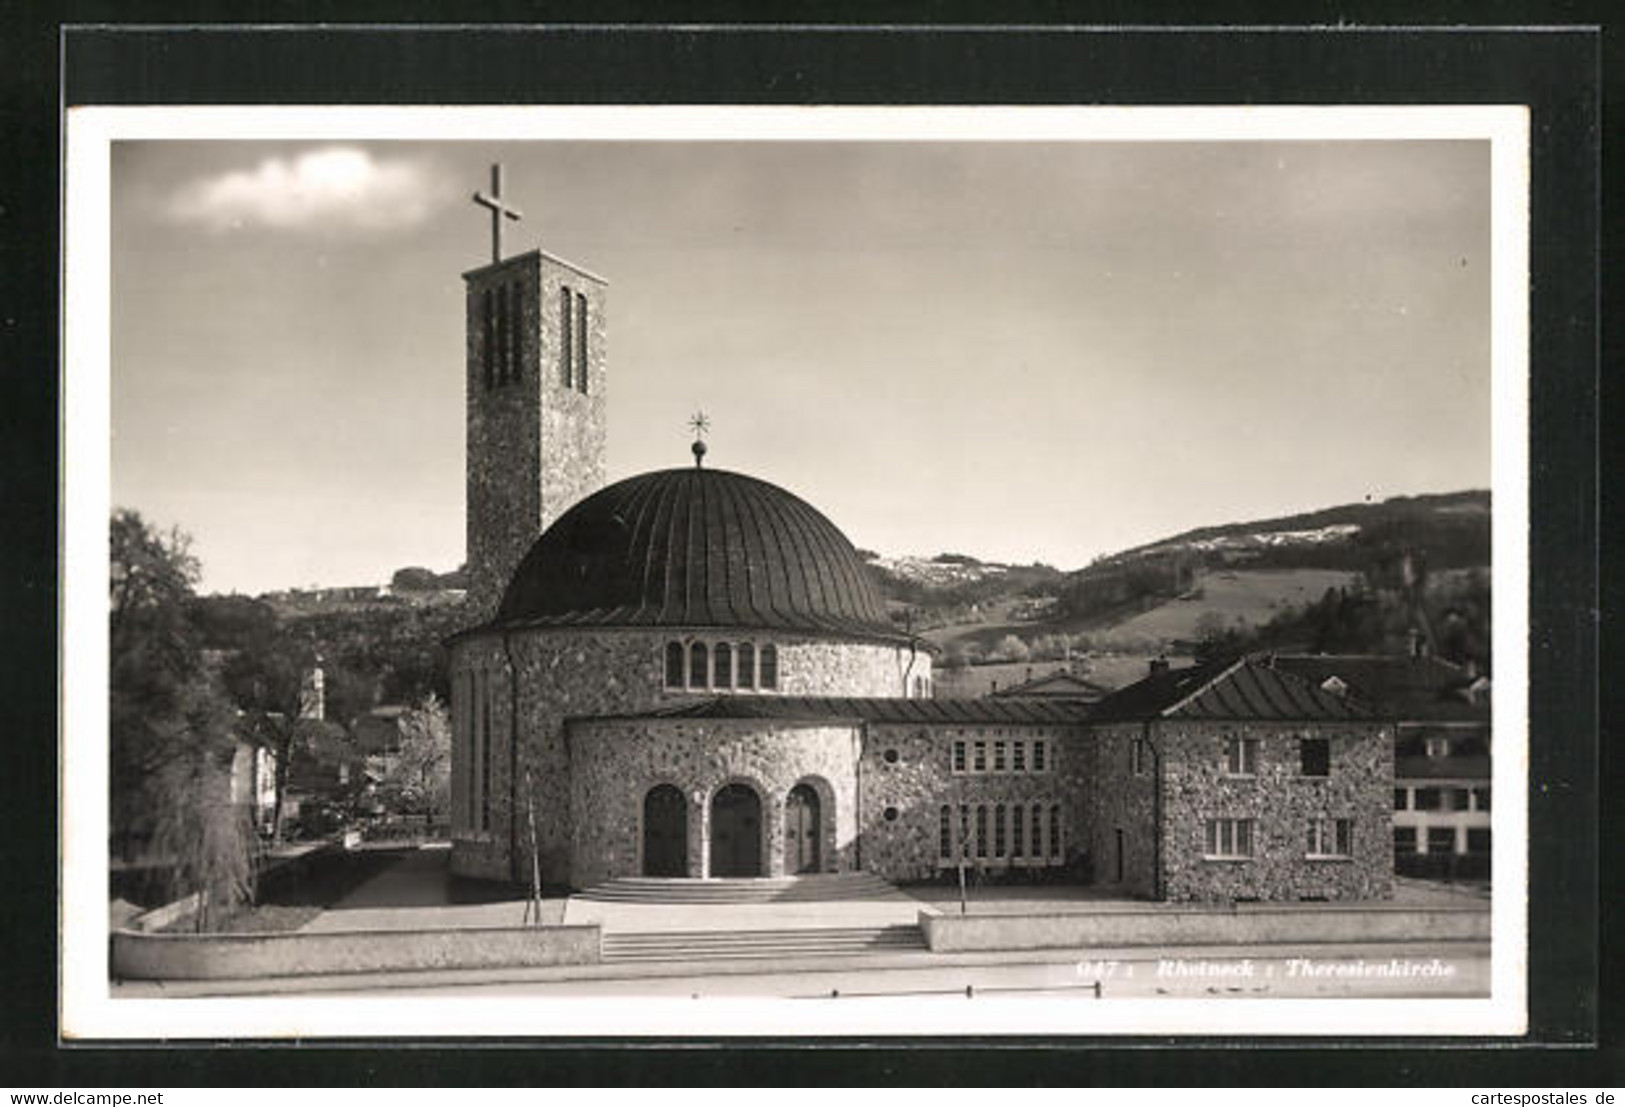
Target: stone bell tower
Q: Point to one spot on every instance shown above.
(536, 383)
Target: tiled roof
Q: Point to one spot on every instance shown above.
(875, 710)
(1248, 689)
(1056, 685)
(1401, 687)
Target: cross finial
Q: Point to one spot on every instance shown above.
(499, 211)
(699, 424)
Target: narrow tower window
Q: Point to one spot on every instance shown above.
(488, 333)
(581, 342)
(516, 330)
(566, 342)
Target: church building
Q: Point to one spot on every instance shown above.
(689, 673)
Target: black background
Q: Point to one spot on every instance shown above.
(1557, 71)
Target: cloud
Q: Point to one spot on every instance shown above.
(327, 189)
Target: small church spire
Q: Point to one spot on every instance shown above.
(699, 424)
(499, 211)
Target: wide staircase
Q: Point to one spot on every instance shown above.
(814, 888)
(765, 919)
(763, 945)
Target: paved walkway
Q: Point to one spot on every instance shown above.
(419, 893)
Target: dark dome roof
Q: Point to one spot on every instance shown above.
(695, 547)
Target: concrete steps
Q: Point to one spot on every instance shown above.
(818, 888)
(764, 945)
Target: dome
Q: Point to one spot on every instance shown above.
(695, 548)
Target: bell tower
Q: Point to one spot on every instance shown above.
(536, 381)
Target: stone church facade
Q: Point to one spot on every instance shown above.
(689, 673)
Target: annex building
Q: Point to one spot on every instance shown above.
(689, 673)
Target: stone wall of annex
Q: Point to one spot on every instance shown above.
(1123, 801)
(1282, 800)
(916, 782)
(614, 763)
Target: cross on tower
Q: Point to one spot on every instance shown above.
(499, 210)
(699, 424)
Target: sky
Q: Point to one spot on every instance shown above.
(1023, 351)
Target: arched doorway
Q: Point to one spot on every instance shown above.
(803, 832)
(665, 832)
(736, 832)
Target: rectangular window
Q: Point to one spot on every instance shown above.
(998, 831)
(1331, 837)
(1315, 756)
(1401, 796)
(581, 343)
(1241, 756)
(1404, 841)
(998, 757)
(1481, 799)
(1018, 757)
(1459, 798)
(1229, 838)
(1429, 799)
(1478, 839)
(959, 755)
(566, 341)
(979, 757)
(1441, 839)
(1040, 749)
(516, 331)
(488, 333)
(485, 751)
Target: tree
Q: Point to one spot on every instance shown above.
(1011, 648)
(419, 774)
(170, 735)
(283, 712)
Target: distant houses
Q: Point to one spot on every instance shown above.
(1441, 714)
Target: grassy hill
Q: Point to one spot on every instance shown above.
(1230, 581)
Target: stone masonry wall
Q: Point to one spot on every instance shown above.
(1123, 800)
(574, 673)
(921, 779)
(1282, 801)
(534, 445)
(616, 762)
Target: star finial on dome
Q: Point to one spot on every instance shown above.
(699, 424)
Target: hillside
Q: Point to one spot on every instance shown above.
(1365, 571)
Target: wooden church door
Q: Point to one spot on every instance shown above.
(802, 837)
(665, 832)
(736, 832)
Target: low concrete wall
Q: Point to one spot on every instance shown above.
(967, 933)
(139, 956)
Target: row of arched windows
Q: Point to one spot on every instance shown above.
(722, 666)
(1001, 832)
